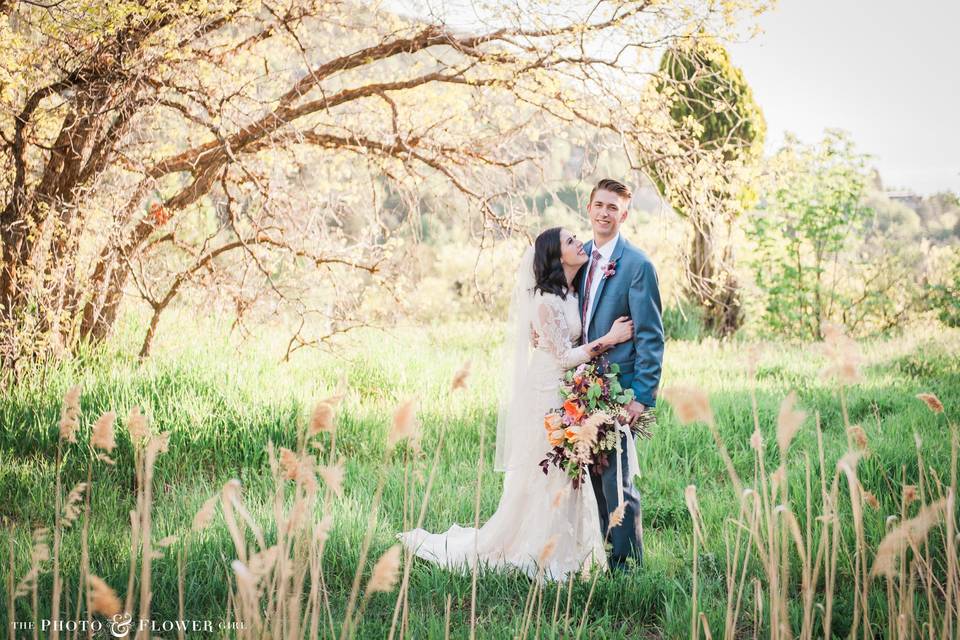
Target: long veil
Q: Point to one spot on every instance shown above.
(515, 360)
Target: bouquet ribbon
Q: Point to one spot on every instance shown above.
(633, 466)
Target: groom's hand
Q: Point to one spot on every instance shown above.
(635, 410)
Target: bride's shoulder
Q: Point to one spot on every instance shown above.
(553, 298)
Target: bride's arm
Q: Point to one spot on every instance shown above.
(554, 336)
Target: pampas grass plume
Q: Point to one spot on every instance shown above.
(69, 414)
(333, 476)
(910, 533)
(909, 494)
(789, 421)
(204, 516)
(384, 576)
(103, 599)
(70, 510)
(858, 436)
(290, 463)
(691, 404)
(932, 402)
(321, 530)
(616, 518)
(405, 423)
(137, 426)
(321, 421)
(102, 436)
(460, 377)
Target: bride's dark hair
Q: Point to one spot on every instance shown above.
(547, 268)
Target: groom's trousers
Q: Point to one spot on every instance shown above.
(627, 538)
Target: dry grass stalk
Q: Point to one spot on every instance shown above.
(404, 426)
(692, 405)
(155, 445)
(693, 506)
(248, 602)
(408, 561)
(476, 525)
(39, 553)
(952, 596)
(861, 609)
(534, 592)
(446, 619)
(134, 545)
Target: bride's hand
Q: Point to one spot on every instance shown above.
(621, 331)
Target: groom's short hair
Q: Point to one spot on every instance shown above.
(614, 186)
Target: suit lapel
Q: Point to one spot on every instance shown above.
(617, 252)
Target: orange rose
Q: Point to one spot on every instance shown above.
(555, 437)
(573, 410)
(552, 421)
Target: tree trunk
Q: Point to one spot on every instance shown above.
(711, 283)
(106, 289)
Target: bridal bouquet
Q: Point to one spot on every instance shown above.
(585, 428)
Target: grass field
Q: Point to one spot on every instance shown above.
(222, 405)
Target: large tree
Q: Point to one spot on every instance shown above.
(148, 144)
(711, 101)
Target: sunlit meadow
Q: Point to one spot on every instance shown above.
(285, 554)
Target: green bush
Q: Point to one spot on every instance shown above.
(945, 296)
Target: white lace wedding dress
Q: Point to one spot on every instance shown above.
(534, 509)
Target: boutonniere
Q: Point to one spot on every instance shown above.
(610, 270)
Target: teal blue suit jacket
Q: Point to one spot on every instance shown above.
(632, 291)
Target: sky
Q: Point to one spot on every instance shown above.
(888, 72)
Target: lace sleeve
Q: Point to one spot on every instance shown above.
(555, 335)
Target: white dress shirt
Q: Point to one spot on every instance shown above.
(605, 252)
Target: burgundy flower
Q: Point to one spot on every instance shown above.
(610, 270)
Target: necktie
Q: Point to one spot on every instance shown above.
(586, 290)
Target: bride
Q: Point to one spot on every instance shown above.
(541, 526)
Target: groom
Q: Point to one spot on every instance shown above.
(621, 281)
